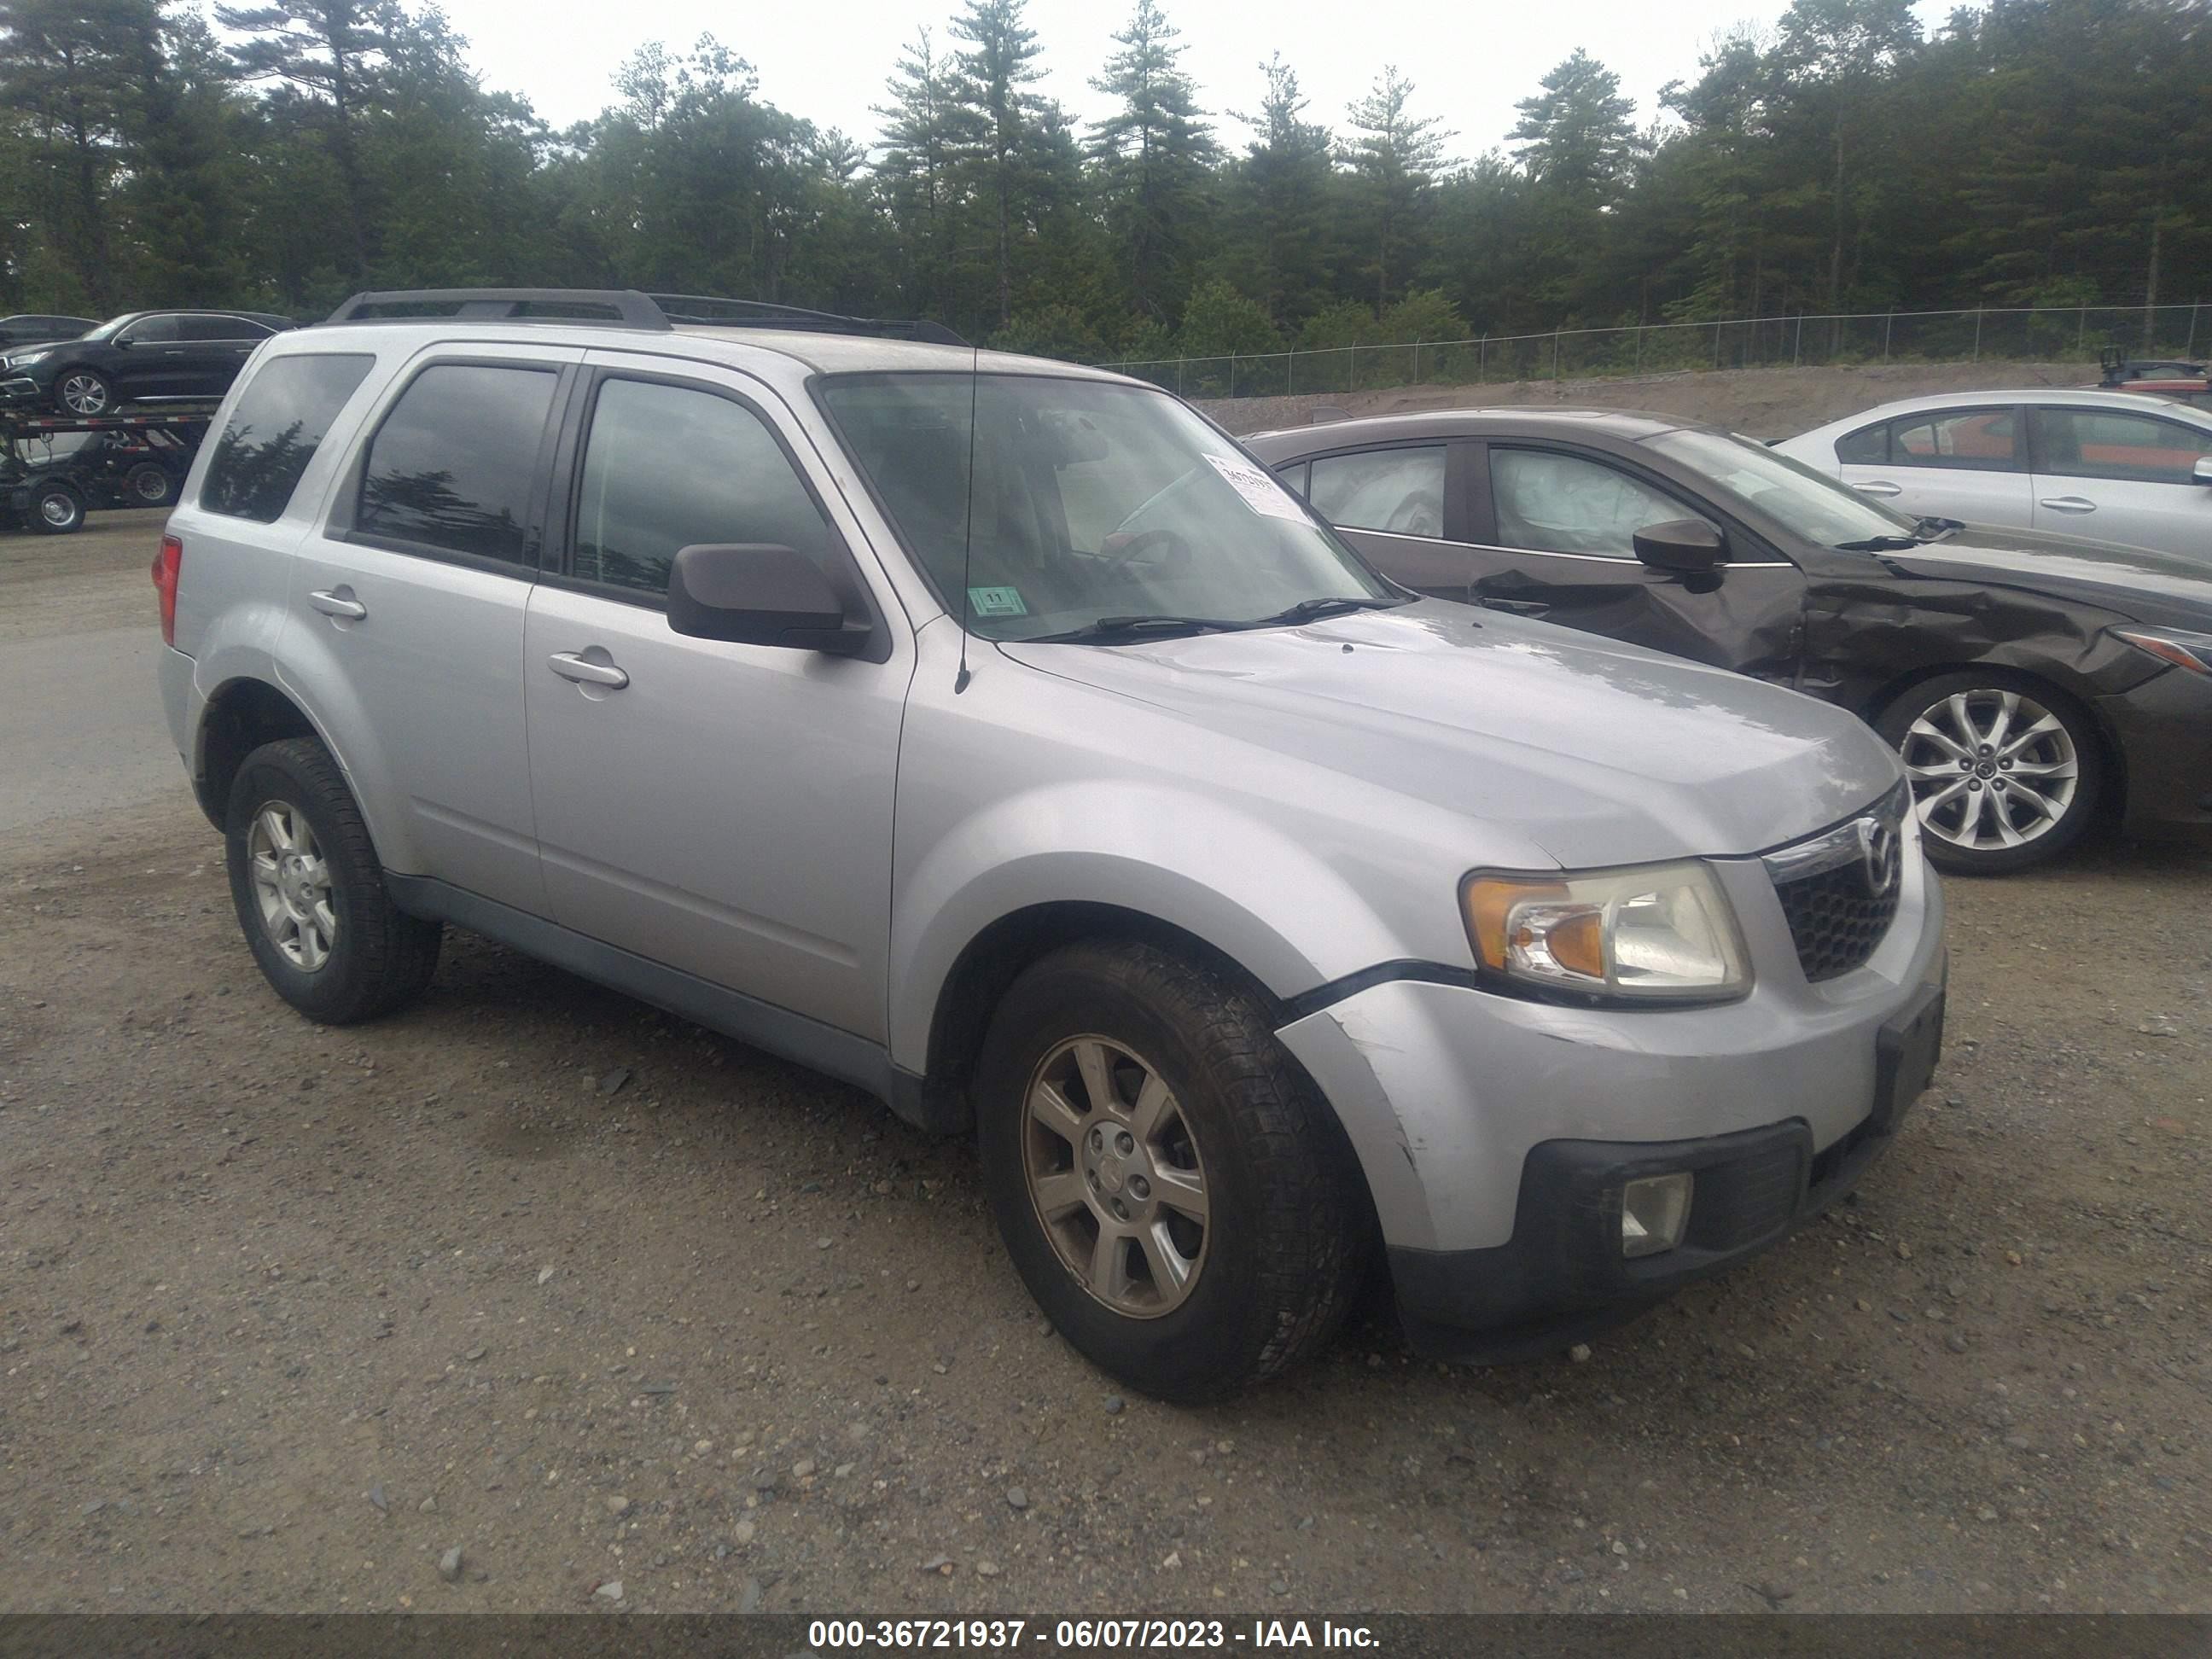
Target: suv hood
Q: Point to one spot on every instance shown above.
(1596, 752)
(2135, 582)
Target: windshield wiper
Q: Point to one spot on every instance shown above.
(1879, 545)
(1308, 610)
(1107, 628)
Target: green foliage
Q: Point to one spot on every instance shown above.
(1425, 314)
(1575, 137)
(1141, 340)
(1393, 162)
(1050, 331)
(1220, 322)
(1346, 323)
(1150, 161)
(1849, 158)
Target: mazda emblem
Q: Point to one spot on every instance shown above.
(1878, 857)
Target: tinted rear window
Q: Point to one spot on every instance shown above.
(274, 430)
(454, 464)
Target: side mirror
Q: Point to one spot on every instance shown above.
(1688, 545)
(759, 594)
(123, 342)
(2202, 472)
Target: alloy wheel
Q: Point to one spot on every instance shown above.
(1115, 1177)
(1990, 769)
(84, 394)
(292, 885)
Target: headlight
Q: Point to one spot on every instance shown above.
(1650, 933)
(2175, 645)
(25, 359)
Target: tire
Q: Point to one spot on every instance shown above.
(83, 391)
(1268, 1277)
(1983, 811)
(337, 950)
(56, 510)
(150, 484)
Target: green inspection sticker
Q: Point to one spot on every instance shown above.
(997, 602)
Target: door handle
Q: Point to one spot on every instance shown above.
(2068, 504)
(582, 670)
(339, 603)
(1880, 487)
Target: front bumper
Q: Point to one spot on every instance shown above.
(1562, 1273)
(2164, 732)
(1495, 1133)
(17, 390)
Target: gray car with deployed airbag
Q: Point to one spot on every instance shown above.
(994, 735)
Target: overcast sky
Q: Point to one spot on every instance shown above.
(827, 61)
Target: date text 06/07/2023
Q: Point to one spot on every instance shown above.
(1086, 1635)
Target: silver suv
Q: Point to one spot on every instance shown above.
(995, 735)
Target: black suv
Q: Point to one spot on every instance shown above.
(30, 328)
(139, 355)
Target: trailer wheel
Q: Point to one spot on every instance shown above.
(150, 484)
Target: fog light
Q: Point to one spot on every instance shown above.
(1653, 1213)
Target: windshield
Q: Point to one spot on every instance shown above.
(1093, 503)
(1816, 507)
(114, 325)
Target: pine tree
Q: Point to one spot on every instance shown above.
(69, 71)
(329, 50)
(1831, 56)
(1575, 136)
(927, 129)
(185, 199)
(1283, 189)
(1395, 160)
(1151, 157)
(999, 62)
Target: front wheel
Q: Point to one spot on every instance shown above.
(1167, 1179)
(2005, 772)
(84, 391)
(56, 510)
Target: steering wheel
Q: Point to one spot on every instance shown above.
(1124, 546)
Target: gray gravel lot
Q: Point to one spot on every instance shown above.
(635, 1317)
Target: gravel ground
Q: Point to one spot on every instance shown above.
(635, 1317)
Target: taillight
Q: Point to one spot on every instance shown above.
(167, 563)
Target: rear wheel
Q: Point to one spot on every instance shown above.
(56, 509)
(1166, 1178)
(2005, 771)
(84, 391)
(150, 484)
(310, 893)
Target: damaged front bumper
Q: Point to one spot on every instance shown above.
(1497, 1135)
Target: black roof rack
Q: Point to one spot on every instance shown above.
(620, 308)
(623, 307)
(699, 308)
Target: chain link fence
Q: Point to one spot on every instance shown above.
(2034, 334)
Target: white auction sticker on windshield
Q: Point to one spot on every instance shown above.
(1258, 488)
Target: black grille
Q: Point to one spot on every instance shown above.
(1836, 922)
